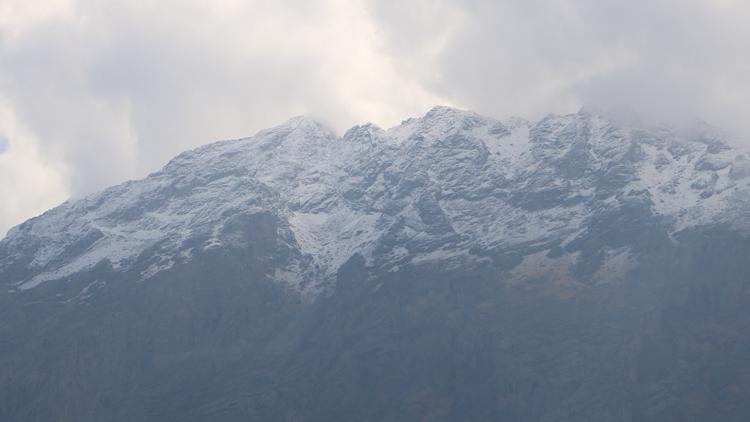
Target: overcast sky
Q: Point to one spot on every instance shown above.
(94, 92)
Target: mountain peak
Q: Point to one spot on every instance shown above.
(441, 114)
(306, 123)
(443, 110)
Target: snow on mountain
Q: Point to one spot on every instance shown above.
(451, 185)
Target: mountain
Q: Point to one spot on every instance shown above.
(455, 267)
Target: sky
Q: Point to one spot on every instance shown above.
(95, 92)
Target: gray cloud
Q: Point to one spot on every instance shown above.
(662, 57)
(98, 91)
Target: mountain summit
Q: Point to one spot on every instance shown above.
(454, 267)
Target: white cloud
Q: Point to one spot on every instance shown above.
(29, 183)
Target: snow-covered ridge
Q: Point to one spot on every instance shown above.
(444, 184)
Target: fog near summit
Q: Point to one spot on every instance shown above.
(96, 92)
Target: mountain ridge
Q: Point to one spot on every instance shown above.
(421, 180)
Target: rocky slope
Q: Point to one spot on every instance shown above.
(582, 267)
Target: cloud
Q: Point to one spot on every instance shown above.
(663, 57)
(111, 90)
(100, 91)
(3, 144)
(29, 183)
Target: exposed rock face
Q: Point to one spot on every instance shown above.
(455, 267)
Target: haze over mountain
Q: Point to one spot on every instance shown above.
(454, 267)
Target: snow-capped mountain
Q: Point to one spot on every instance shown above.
(452, 186)
(584, 267)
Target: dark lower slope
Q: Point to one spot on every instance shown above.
(213, 339)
